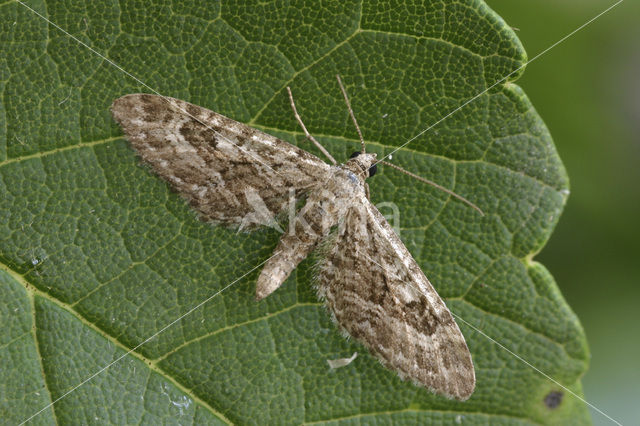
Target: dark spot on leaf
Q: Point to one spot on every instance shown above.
(553, 399)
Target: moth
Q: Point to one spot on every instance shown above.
(235, 175)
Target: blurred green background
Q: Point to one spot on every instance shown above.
(587, 90)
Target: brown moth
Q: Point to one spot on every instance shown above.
(235, 175)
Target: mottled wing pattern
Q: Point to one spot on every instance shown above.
(229, 172)
(380, 296)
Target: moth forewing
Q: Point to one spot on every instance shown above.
(233, 174)
(379, 295)
(217, 164)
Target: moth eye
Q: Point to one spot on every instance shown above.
(355, 154)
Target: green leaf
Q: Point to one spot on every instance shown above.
(99, 255)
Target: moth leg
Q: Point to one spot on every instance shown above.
(366, 190)
(306, 132)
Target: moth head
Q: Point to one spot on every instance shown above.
(366, 162)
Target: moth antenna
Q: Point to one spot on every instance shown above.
(306, 132)
(435, 185)
(353, 117)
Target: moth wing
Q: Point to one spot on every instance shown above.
(229, 172)
(380, 296)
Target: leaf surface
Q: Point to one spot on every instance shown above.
(99, 255)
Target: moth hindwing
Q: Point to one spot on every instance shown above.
(235, 175)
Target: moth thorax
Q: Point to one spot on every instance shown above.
(365, 162)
